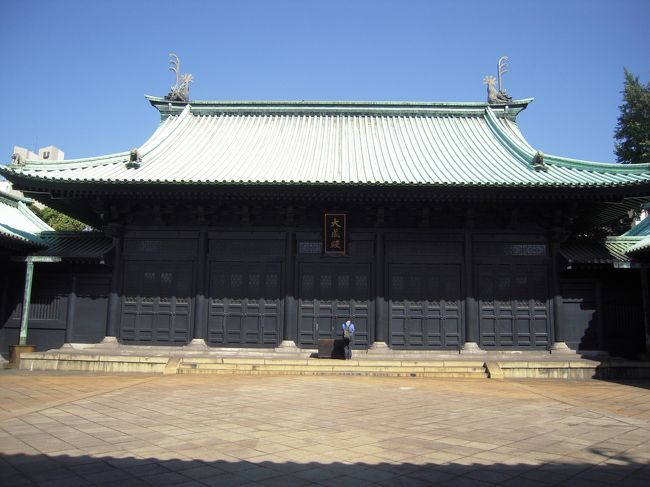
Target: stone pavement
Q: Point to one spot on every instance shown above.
(73, 429)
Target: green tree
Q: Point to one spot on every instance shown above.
(58, 220)
(633, 129)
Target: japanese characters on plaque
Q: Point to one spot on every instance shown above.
(335, 233)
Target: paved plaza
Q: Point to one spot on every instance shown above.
(67, 430)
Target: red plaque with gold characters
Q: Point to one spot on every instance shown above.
(335, 233)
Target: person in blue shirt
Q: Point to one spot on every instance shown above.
(348, 335)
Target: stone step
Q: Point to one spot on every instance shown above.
(248, 366)
(441, 375)
(109, 363)
(332, 362)
(92, 363)
(290, 364)
(384, 368)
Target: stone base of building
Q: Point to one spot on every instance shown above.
(561, 348)
(197, 344)
(378, 348)
(109, 342)
(287, 346)
(470, 347)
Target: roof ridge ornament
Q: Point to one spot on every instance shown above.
(17, 159)
(135, 159)
(181, 90)
(538, 162)
(500, 96)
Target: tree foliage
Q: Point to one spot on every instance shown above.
(57, 220)
(633, 129)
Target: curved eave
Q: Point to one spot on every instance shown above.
(597, 166)
(334, 184)
(11, 173)
(526, 153)
(164, 130)
(42, 165)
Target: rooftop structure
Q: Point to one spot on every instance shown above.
(450, 145)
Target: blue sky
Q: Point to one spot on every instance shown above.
(74, 72)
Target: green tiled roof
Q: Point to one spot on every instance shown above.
(642, 229)
(336, 143)
(18, 224)
(642, 232)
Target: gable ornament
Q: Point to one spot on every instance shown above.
(497, 95)
(181, 90)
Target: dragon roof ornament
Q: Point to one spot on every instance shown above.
(181, 90)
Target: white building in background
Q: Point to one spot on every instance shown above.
(49, 153)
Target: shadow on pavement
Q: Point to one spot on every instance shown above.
(67, 471)
(641, 383)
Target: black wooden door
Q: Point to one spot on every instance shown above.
(622, 313)
(513, 305)
(157, 305)
(90, 306)
(244, 307)
(581, 320)
(424, 305)
(329, 294)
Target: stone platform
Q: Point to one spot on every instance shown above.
(288, 361)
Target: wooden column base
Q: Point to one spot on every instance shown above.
(15, 351)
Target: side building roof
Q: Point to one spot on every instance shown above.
(619, 251)
(642, 232)
(24, 233)
(336, 143)
(83, 246)
(19, 226)
(614, 251)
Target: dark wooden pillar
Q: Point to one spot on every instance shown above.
(558, 338)
(199, 332)
(645, 293)
(600, 321)
(381, 315)
(558, 233)
(114, 300)
(290, 323)
(471, 308)
(72, 298)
